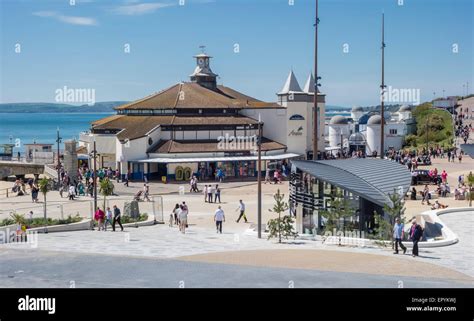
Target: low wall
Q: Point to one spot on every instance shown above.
(79, 226)
(449, 237)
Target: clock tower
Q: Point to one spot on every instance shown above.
(203, 74)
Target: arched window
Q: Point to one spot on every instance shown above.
(296, 117)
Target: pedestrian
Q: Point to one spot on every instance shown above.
(183, 219)
(117, 216)
(416, 234)
(125, 180)
(217, 194)
(108, 218)
(209, 193)
(175, 214)
(444, 176)
(34, 193)
(72, 192)
(219, 217)
(99, 217)
(241, 208)
(205, 193)
(146, 192)
(398, 234)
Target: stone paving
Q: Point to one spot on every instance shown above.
(164, 242)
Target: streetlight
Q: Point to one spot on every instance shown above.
(58, 140)
(94, 155)
(259, 177)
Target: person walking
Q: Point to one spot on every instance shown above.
(183, 219)
(146, 192)
(209, 193)
(219, 217)
(205, 193)
(108, 218)
(125, 180)
(99, 217)
(175, 213)
(72, 192)
(398, 234)
(117, 216)
(218, 194)
(241, 208)
(416, 233)
(444, 176)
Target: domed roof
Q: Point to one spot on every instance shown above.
(405, 108)
(374, 120)
(338, 120)
(357, 138)
(357, 109)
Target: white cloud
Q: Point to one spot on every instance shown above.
(139, 9)
(81, 21)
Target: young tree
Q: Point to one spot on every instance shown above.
(282, 226)
(340, 208)
(106, 188)
(44, 187)
(470, 183)
(385, 223)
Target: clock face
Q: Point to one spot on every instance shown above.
(200, 61)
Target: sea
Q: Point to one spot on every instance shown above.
(26, 128)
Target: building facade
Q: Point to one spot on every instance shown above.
(200, 127)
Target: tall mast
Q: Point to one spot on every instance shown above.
(382, 92)
(316, 82)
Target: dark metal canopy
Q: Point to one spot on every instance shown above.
(371, 179)
(468, 149)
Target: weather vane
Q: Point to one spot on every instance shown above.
(202, 47)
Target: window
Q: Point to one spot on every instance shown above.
(393, 131)
(296, 117)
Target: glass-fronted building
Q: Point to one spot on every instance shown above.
(363, 185)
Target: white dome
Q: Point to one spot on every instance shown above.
(338, 120)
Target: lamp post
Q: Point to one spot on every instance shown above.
(259, 177)
(316, 84)
(382, 90)
(94, 173)
(58, 140)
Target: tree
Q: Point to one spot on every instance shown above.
(44, 187)
(385, 223)
(340, 208)
(470, 183)
(282, 226)
(106, 189)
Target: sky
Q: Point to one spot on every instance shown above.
(80, 44)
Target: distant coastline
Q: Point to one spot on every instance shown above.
(99, 107)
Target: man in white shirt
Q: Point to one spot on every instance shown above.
(241, 208)
(219, 217)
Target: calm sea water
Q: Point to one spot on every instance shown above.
(41, 127)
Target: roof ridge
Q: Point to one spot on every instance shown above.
(178, 95)
(145, 98)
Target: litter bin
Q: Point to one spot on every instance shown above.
(163, 179)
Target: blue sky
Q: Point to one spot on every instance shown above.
(82, 46)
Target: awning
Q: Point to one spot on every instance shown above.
(82, 156)
(216, 159)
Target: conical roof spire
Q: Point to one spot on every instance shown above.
(291, 85)
(309, 85)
